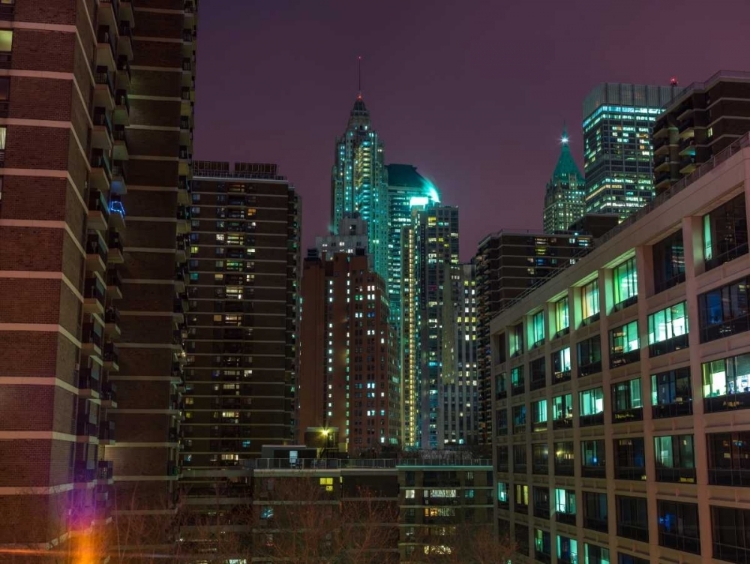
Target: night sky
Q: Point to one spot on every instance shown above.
(472, 92)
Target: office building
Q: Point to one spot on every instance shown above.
(351, 239)
(698, 124)
(98, 109)
(407, 189)
(565, 198)
(622, 388)
(617, 125)
(430, 252)
(508, 265)
(358, 183)
(348, 360)
(241, 362)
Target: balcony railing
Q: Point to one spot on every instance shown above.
(110, 353)
(89, 379)
(104, 36)
(680, 542)
(677, 475)
(596, 524)
(721, 330)
(566, 518)
(668, 345)
(564, 469)
(594, 471)
(105, 470)
(591, 420)
(589, 369)
(630, 472)
(622, 358)
(627, 415)
(541, 510)
(564, 423)
(729, 477)
(728, 402)
(634, 532)
(92, 289)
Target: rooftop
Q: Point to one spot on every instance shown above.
(364, 463)
(222, 169)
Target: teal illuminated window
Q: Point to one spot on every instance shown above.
(590, 301)
(561, 365)
(537, 328)
(539, 415)
(624, 344)
(565, 501)
(515, 340)
(592, 407)
(562, 411)
(502, 492)
(562, 318)
(668, 326)
(726, 377)
(625, 280)
(517, 382)
(567, 550)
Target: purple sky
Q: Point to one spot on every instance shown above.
(473, 93)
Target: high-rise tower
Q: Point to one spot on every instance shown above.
(565, 200)
(358, 183)
(617, 124)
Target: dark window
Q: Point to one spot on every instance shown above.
(501, 386)
(678, 526)
(669, 262)
(502, 460)
(519, 459)
(567, 550)
(502, 421)
(671, 394)
(725, 233)
(589, 356)
(542, 546)
(538, 374)
(731, 534)
(668, 330)
(564, 458)
(595, 511)
(627, 559)
(627, 404)
(726, 384)
(541, 502)
(540, 458)
(624, 345)
(515, 340)
(593, 462)
(561, 366)
(503, 527)
(630, 459)
(724, 311)
(729, 459)
(632, 518)
(519, 419)
(675, 459)
(522, 539)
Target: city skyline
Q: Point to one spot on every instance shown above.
(427, 101)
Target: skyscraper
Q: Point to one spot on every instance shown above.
(565, 199)
(351, 239)
(348, 360)
(358, 183)
(406, 189)
(617, 124)
(428, 329)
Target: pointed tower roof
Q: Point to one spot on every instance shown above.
(565, 164)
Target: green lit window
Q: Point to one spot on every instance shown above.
(516, 380)
(565, 501)
(537, 328)
(522, 495)
(708, 247)
(625, 280)
(515, 340)
(502, 492)
(592, 402)
(561, 365)
(626, 400)
(598, 555)
(624, 344)
(567, 550)
(539, 415)
(590, 300)
(562, 410)
(668, 326)
(727, 376)
(562, 318)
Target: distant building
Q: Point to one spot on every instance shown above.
(407, 189)
(565, 199)
(699, 123)
(358, 183)
(508, 264)
(595, 224)
(352, 239)
(348, 360)
(617, 124)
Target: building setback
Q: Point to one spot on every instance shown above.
(106, 90)
(622, 388)
(348, 371)
(508, 264)
(617, 125)
(698, 124)
(565, 198)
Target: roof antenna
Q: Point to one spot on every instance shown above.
(359, 77)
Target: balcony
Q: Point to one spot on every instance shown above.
(183, 191)
(96, 254)
(562, 423)
(589, 369)
(114, 284)
(734, 477)
(566, 518)
(101, 134)
(182, 248)
(687, 165)
(109, 395)
(84, 470)
(106, 48)
(662, 180)
(104, 88)
(687, 147)
(178, 311)
(89, 383)
(115, 256)
(120, 148)
(686, 127)
(541, 510)
(105, 471)
(622, 358)
(111, 357)
(119, 177)
(107, 433)
(125, 43)
(728, 402)
(562, 376)
(181, 277)
(98, 214)
(101, 171)
(93, 295)
(596, 524)
(662, 163)
(112, 323)
(124, 74)
(627, 415)
(591, 420)
(117, 213)
(121, 114)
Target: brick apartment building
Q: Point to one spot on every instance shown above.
(95, 134)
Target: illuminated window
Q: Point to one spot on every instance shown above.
(327, 484)
(590, 301)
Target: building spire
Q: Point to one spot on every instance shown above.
(359, 77)
(564, 139)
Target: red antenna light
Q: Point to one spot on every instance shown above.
(673, 81)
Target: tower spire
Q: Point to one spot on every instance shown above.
(564, 139)
(359, 77)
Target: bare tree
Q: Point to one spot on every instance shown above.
(466, 544)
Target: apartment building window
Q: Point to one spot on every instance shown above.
(726, 383)
(519, 419)
(626, 401)
(594, 554)
(515, 340)
(502, 422)
(595, 511)
(501, 386)
(669, 262)
(562, 411)
(538, 374)
(521, 537)
(541, 502)
(565, 506)
(521, 499)
(561, 366)
(729, 459)
(632, 518)
(542, 546)
(678, 526)
(630, 459)
(519, 459)
(731, 534)
(624, 345)
(668, 330)
(499, 348)
(675, 459)
(625, 281)
(537, 329)
(540, 458)
(591, 407)
(517, 382)
(628, 559)
(503, 500)
(725, 233)
(567, 550)
(589, 356)
(539, 415)
(671, 394)
(724, 311)
(6, 47)
(562, 317)
(590, 302)
(593, 459)
(502, 459)
(564, 458)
